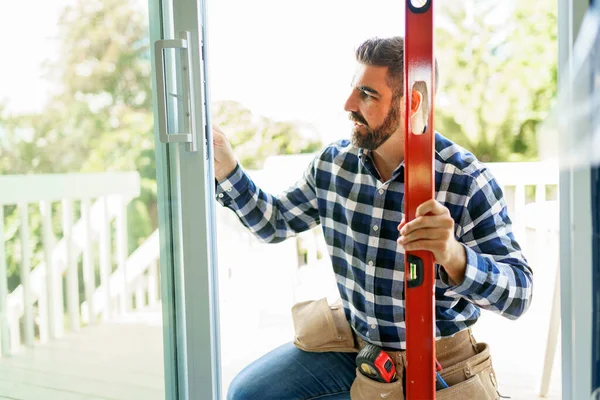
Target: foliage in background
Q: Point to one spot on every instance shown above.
(498, 74)
(101, 119)
(255, 139)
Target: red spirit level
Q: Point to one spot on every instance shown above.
(419, 187)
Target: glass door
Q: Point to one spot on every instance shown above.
(91, 284)
(186, 198)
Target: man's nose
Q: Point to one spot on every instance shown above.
(351, 105)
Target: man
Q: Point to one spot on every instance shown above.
(355, 189)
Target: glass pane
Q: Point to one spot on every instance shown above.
(278, 94)
(78, 179)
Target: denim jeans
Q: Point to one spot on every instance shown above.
(288, 373)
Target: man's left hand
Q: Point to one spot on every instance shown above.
(433, 230)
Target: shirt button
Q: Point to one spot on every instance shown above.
(373, 326)
(380, 191)
(371, 263)
(230, 189)
(375, 228)
(221, 195)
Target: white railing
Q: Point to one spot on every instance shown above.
(140, 277)
(530, 191)
(299, 266)
(537, 212)
(300, 269)
(525, 185)
(101, 198)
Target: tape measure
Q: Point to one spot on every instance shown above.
(376, 364)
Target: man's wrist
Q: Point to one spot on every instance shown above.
(223, 176)
(457, 267)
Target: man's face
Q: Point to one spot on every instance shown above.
(372, 107)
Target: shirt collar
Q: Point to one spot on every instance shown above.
(366, 160)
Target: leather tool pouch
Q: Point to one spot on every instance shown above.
(322, 327)
(364, 388)
(472, 379)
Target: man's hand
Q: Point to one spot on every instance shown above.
(433, 230)
(225, 161)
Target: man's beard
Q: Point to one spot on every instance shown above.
(371, 139)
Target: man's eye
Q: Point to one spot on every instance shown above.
(365, 95)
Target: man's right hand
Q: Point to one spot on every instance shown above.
(225, 161)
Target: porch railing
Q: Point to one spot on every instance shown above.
(37, 303)
(530, 191)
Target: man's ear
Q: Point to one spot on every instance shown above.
(416, 102)
(417, 125)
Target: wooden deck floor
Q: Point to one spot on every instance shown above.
(110, 361)
(124, 360)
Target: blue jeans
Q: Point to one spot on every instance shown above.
(288, 373)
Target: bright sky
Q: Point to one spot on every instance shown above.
(294, 59)
(288, 60)
(27, 41)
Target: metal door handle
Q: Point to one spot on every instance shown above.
(183, 43)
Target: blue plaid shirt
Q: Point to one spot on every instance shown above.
(359, 215)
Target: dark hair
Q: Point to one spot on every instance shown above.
(389, 52)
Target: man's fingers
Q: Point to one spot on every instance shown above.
(434, 246)
(402, 223)
(219, 138)
(427, 233)
(427, 209)
(428, 221)
(431, 207)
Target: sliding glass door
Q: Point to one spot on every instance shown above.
(186, 193)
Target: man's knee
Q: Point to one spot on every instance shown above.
(242, 388)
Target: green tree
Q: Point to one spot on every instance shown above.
(101, 117)
(102, 110)
(254, 139)
(498, 74)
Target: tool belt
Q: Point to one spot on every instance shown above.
(467, 365)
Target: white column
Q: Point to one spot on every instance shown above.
(121, 219)
(25, 272)
(47, 302)
(4, 324)
(105, 259)
(89, 280)
(44, 332)
(72, 280)
(54, 284)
